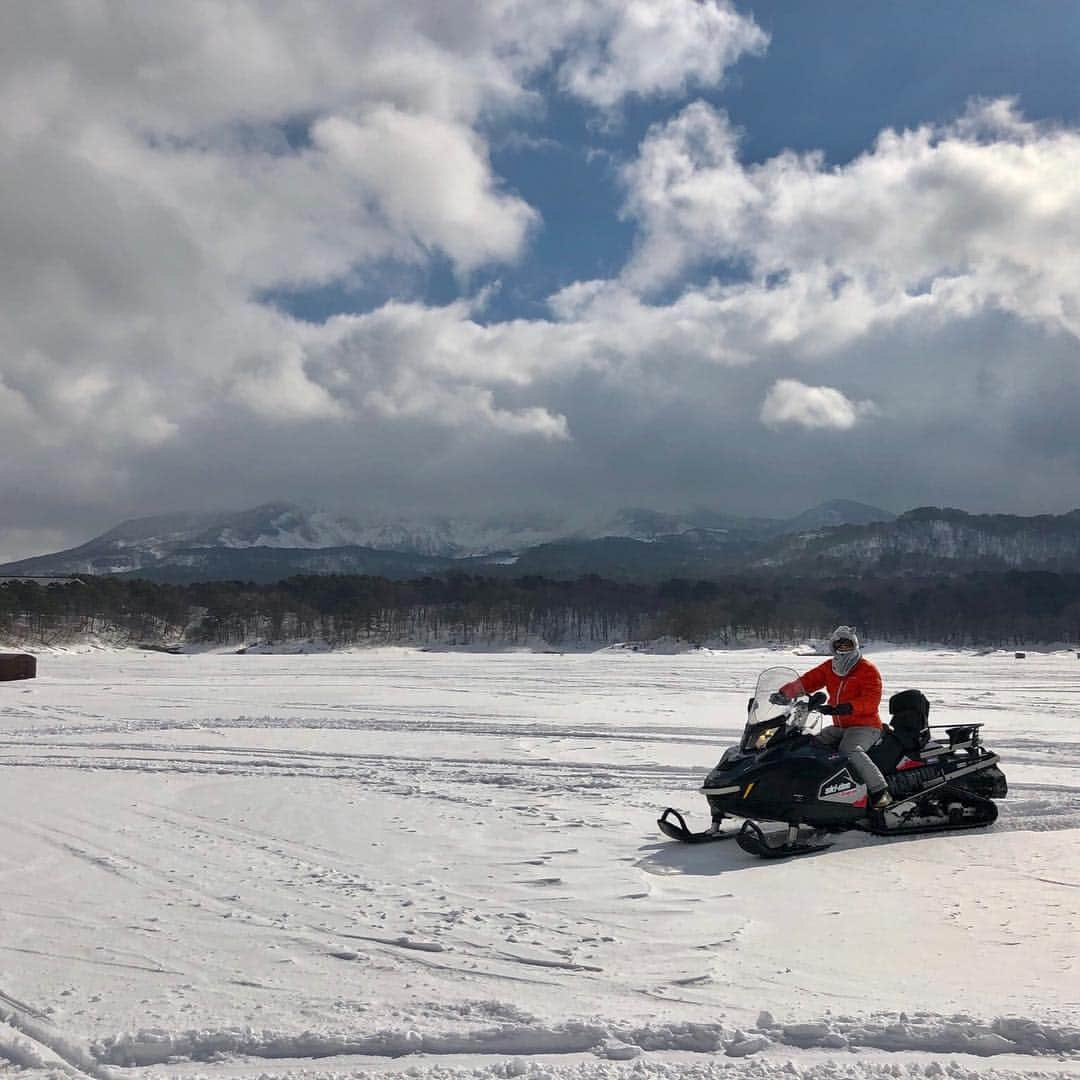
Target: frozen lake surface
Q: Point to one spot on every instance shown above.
(333, 864)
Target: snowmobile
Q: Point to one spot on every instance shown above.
(780, 773)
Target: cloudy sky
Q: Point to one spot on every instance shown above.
(472, 255)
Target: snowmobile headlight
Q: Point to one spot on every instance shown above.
(763, 739)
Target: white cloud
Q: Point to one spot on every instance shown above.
(792, 402)
(184, 71)
(655, 47)
(937, 222)
(432, 182)
(437, 365)
(461, 407)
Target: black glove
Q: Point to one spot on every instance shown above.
(846, 709)
(778, 697)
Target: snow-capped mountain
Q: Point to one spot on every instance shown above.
(284, 525)
(145, 542)
(931, 538)
(278, 539)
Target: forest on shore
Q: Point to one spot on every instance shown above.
(1007, 609)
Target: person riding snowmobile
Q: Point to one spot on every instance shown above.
(854, 688)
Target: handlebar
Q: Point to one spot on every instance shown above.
(800, 710)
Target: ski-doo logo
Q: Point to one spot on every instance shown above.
(839, 784)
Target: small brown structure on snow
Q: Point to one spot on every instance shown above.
(15, 665)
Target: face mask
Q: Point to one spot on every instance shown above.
(843, 662)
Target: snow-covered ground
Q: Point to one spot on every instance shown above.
(323, 865)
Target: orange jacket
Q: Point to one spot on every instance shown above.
(861, 687)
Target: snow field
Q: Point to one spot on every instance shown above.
(448, 864)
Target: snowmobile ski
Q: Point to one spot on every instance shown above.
(679, 830)
(753, 840)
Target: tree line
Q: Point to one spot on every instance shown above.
(1007, 609)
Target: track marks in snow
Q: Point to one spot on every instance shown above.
(519, 1034)
(14, 1006)
(323, 883)
(412, 721)
(446, 778)
(29, 1041)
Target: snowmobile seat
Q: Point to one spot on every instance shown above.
(887, 753)
(909, 718)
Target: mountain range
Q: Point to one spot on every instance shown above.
(278, 540)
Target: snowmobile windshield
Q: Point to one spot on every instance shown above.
(769, 683)
(772, 714)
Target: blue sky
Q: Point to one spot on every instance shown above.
(462, 257)
(834, 75)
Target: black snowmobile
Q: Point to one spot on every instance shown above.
(780, 773)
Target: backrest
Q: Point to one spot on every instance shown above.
(909, 717)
